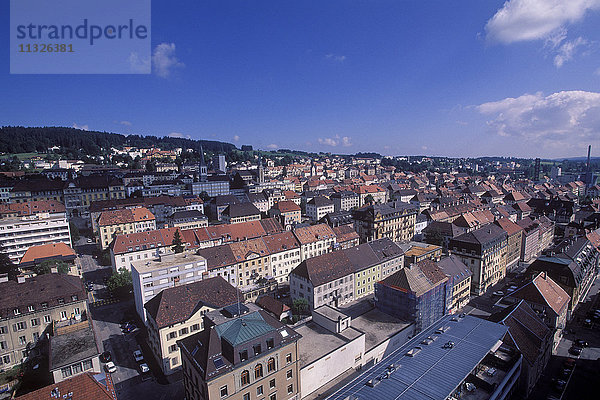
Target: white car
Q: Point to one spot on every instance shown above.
(110, 367)
(144, 368)
(138, 356)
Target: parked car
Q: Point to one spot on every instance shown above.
(581, 343)
(576, 351)
(105, 357)
(587, 323)
(511, 289)
(144, 368)
(110, 367)
(138, 356)
(498, 293)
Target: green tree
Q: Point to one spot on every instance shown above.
(7, 266)
(75, 235)
(205, 197)
(45, 267)
(177, 242)
(369, 199)
(120, 283)
(300, 306)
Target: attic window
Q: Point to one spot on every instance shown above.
(243, 355)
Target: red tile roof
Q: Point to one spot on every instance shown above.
(128, 215)
(47, 251)
(82, 387)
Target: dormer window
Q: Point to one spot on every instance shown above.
(44, 305)
(74, 297)
(270, 343)
(16, 311)
(243, 355)
(30, 309)
(61, 301)
(257, 349)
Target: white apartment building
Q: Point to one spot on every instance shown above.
(150, 277)
(17, 234)
(318, 207)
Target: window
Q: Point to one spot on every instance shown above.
(19, 326)
(77, 368)
(257, 349)
(6, 359)
(245, 378)
(288, 358)
(270, 343)
(258, 371)
(171, 335)
(243, 355)
(87, 364)
(76, 311)
(272, 383)
(288, 374)
(66, 372)
(35, 322)
(259, 390)
(271, 365)
(47, 319)
(290, 389)
(63, 315)
(2, 330)
(44, 305)
(16, 311)
(30, 308)
(183, 331)
(195, 327)
(3, 345)
(175, 361)
(61, 301)
(273, 396)
(74, 297)
(173, 348)
(223, 391)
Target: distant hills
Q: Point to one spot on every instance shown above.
(76, 142)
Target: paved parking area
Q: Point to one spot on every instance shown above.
(128, 380)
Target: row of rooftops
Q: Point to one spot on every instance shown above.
(331, 266)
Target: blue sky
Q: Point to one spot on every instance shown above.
(448, 78)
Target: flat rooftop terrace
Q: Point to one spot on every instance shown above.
(317, 341)
(377, 326)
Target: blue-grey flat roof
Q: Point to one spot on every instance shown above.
(435, 372)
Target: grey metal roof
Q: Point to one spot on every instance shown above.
(433, 373)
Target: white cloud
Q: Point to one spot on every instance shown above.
(164, 60)
(82, 127)
(562, 120)
(179, 135)
(139, 65)
(126, 123)
(335, 57)
(272, 146)
(597, 72)
(567, 50)
(336, 141)
(236, 138)
(525, 20)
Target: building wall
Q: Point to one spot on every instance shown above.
(283, 263)
(78, 368)
(332, 365)
(19, 233)
(19, 330)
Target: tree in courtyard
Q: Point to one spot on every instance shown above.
(177, 242)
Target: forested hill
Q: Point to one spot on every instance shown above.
(77, 142)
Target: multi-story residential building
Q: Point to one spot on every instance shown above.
(37, 188)
(484, 252)
(29, 306)
(419, 293)
(530, 335)
(573, 264)
(214, 185)
(115, 222)
(345, 200)
(514, 241)
(188, 219)
(80, 193)
(548, 300)
(149, 277)
(240, 212)
(459, 278)
(530, 245)
(253, 356)
(178, 312)
(378, 194)
(284, 249)
(30, 224)
(315, 240)
(342, 276)
(36, 255)
(345, 237)
(287, 212)
(395, 221)
(418, 251)
(96, 386)
(318, 207)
